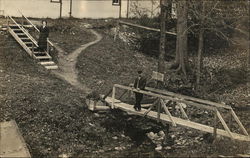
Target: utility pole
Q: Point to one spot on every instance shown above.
(162, 51)
(70, 11)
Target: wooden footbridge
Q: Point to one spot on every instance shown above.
(21, 34)
(163, 113)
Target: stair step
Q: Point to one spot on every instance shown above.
(17, 30)
(47, 63)
(51, 67)
(21, 33)
(42, 57)
(13, 26)
(25, 39)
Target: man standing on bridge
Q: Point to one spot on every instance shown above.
(139, 84)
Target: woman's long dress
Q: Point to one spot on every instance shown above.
(42, 41)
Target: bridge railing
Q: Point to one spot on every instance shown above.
(164, 96)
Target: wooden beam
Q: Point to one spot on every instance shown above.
(224, 123)
(239, 123)
(145, 27)
(123, 94)
(184, 114)
(167, 112)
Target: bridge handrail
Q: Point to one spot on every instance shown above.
(198, 100)
(165, 97)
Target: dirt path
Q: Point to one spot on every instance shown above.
(67, 63)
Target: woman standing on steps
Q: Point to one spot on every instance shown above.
(44, 34)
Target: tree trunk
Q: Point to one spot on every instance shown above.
(200, 47)
(200, 57)
(161, 66)
(181, 58)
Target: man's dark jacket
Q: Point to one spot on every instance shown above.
(141, 84)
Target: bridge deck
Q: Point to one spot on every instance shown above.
(165, 118)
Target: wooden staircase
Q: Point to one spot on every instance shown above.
(29, 44)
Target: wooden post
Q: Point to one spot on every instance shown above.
(113, 98)
(70, 12)
(8, 23)
(158, 111)
(60, 8)
(127, 8)
(32, 49)
(215, 125)
(22, 21)
(120, 10)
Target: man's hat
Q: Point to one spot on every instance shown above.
(139, 71)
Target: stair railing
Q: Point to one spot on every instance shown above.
(24, 31)
(49, 43)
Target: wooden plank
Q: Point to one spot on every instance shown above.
(51, 67)
(144, 27)
(47, 63)
(42, 57)
(178, 121)
(224, 123)
(239, 123)
(167, 97)
(167, 112)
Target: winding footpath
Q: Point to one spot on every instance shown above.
(67, 64)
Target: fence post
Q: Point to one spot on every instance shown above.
(113, 98)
